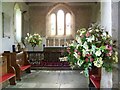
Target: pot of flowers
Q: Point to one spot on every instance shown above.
(33, 40)
(92, 47)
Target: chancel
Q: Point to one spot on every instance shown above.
(59, 44)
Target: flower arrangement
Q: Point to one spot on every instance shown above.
(34, 39)
(92, 47)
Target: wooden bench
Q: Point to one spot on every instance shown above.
(7, 72)
(94, 78)
(20, 63)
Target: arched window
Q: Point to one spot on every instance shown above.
(17, 22)
(68, 24)
(60, 22)
(53, 24)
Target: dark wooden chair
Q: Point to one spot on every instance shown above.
(7, 72)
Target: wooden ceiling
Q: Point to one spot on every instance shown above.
(51, 3)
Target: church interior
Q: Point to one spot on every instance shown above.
(43, 42)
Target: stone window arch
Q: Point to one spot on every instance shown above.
(17, 22)
(60, 22)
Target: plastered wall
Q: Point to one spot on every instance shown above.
(8, 9)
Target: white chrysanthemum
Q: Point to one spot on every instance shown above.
(98, 62)
(98, 53)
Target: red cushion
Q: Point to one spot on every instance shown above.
(6, 77)
(95, 81)
(23, 68)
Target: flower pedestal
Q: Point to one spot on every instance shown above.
(94, 77)
(106, 79)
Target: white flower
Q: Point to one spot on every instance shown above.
(26, 38)
(78, 40)
(90, 31)
(116, 57)
(80, 62)
(98, 62)
(78, 46)
(65, 58)
(98, 53)
(84, 53)
(85, 45)
(97, 30)
(90, 39)
(104, 34)
(76, 55)
(71, 44)
(28, 34)
(81, 72)
(93, 48)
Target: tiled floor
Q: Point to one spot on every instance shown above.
(52, 79)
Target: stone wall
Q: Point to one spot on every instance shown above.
(83, 16)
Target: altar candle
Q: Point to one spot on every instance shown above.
(59, 41)
(48, 42)
(54, 42)
(64, 40)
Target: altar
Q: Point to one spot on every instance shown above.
(49, 57)
(53, 53)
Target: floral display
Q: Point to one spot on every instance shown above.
(92, 47)
(34, 39)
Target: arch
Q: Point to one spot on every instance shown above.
(60, 32)
(53, 24)
(58, 5)
(68, 23)
(60, 22)
(17, 22)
